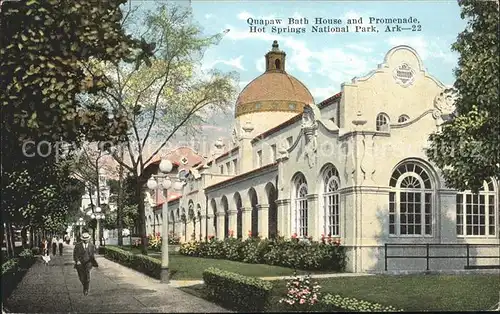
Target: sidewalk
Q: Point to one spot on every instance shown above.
(113, 288)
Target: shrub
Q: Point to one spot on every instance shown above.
(142, 263)
(14, 269)
(301, 292)
(173, 239)
(296, 253)
(237, 291)
(337, 302)
(154, 242)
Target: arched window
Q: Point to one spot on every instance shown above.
(301, 206)
(477, 213)
(277, 63)
(403, 118)
(410, 201)
(331, 201)
(382, 122)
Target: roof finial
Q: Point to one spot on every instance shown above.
(275, 46)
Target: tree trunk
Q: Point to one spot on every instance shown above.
(12, 240)
(142, 216)
(24, 237)
(120, 202)
(2, 235)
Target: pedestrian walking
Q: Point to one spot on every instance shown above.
(45, 251)
(61, 241)
(83, 255)
(54, 245)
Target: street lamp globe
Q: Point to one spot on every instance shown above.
(89, 212)
(166, 166)
(178, 185)
(103, 216)
(166, 184)
(152, 184)
(81, 219)
(92, 216)
(98, 209)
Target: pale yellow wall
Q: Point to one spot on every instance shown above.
(378, 91)
(263, 121)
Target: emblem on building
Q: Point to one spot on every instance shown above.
(404, 75)
(309, 127)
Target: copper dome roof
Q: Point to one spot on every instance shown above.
(275, 86)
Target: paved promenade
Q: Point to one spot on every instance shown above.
(113, 288)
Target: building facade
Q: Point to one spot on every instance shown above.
(352, 167)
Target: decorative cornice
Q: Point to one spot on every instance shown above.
(410, 122)
(243, 177)
(232, 212)
(366, 189)
(262, 206)
(312, 197)
(269, 105)
(283, 201)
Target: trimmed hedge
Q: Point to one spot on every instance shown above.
(142, 263)
(292, 253)
(13, 271)
(336, 302)
(237, 291)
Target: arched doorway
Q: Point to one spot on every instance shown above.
(225, 207)
(273, 210)
(239, 215)
(252, 195)
(214, 212)
(198, 216)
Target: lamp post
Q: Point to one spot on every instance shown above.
(80, 223)
(154, 183)
(98, 201)
(98, 215)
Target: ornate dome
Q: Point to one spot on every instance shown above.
(275, 90)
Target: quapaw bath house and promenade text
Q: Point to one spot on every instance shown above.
(333, 25)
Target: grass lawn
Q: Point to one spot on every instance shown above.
(191, 268)
(410, 292)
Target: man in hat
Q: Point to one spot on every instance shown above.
(83, 255)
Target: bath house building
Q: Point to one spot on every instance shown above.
(352, 167)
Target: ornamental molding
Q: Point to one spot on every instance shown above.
(404, 75)
(310, 131)
(444, 102)
(268, 105)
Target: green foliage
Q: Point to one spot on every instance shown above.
(235, 290)
(467, 148)
(306, 255)
(338, 303)
(43, 45)
(13, 271)
(144, 264)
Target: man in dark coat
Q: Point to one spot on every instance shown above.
(83, 255)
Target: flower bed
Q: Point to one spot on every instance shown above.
(302, 254)
(13, 271)
(237, 291)
(142, 263)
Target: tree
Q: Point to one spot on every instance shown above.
(164, 95)
(43, 45)
(467, 148)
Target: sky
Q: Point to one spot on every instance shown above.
(323, 61)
